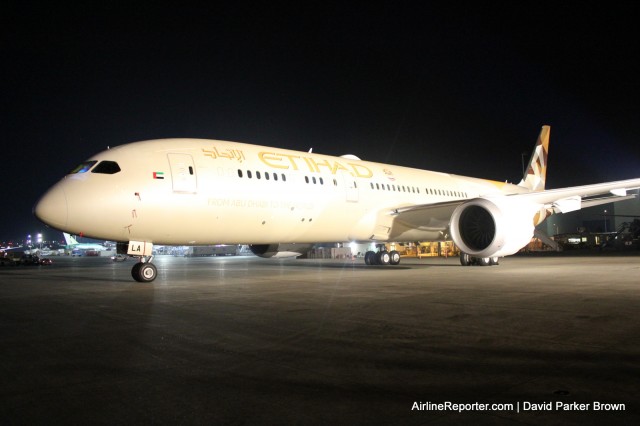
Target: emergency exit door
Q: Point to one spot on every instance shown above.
(183, 173)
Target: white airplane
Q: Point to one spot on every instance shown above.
(195, 191)
(72, 243)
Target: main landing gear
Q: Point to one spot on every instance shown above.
(468, 260)
(382, 257)
(144, 271)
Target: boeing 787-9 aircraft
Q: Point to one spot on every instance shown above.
(196, 191)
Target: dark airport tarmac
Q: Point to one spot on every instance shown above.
(242, 340)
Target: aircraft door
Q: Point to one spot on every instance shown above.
(183, 173)
(350, 187)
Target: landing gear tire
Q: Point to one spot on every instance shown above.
(465, 259)
(484, 261)
(144, 272)
(383, 257)
(394, 257)
(370, 258)
(495, 260)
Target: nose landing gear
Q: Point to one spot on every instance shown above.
(144, 271)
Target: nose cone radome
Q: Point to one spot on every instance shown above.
(52, 208)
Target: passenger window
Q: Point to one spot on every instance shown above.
(83, 168)
(107, 168)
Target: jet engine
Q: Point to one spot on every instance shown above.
(494, 227)
(280, 250)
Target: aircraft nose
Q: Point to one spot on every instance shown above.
(52, 208)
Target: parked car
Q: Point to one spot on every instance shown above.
(119, 258)
(30, 259)
(6, 260)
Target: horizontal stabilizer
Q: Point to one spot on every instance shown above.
(545, 239)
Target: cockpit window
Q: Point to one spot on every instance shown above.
(107, 168)
(83, 168)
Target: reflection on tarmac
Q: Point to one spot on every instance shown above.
(248, 340)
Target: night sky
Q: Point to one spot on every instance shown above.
(457, 89)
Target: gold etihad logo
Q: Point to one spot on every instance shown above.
(314, 165)
(294, 162)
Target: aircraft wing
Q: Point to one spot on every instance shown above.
(563, 200)
(426, 216)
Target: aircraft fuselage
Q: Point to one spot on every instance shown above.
(193, 191)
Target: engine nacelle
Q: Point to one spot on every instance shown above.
(280, 250)
(488, 227)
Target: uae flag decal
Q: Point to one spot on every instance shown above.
(158, 175)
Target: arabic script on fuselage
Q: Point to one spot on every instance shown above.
(231, 154)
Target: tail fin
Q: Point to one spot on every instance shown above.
(535, 176)
(69, 239)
